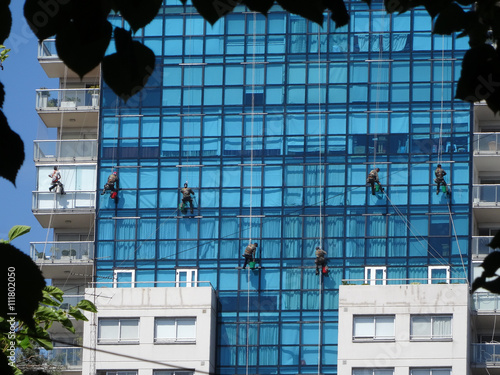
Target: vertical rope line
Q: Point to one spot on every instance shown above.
(440, 146)
(320, 162)
(252, 119)
(377, 100)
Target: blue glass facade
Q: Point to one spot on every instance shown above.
(276, 138)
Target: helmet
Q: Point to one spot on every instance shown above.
(55, 168)
(115, 172)
(439, 165)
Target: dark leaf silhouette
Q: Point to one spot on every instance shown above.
(5, 368)
(29, 284)
(450, 19)
(339, 13)
(2, 94)
(491, 264)
(11, 151)
(434, 7)
(478, 283)
(261, 6)
(46, 17)
(492, 286)
(138, 13)
(5, 20)
(78, 50)
(212, 10)
(128, 70)
(313, 10)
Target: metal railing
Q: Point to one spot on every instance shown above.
(485, 302)
(480, 245)
(65, 150)
(47, 49)
(69, 357)
(49, 251)
(485, 353)
(486, 143)
(147, 284)
(385, 281)
(485, 195)
(63, 99)
(72, 200)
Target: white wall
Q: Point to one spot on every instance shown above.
(148, 303)
(403, 301)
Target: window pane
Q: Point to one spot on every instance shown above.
(129, 329)
(186, 329)
(420, 326)
(165, 329)
(363, 326)
(108, 329)
(384, 326)
(441, 326)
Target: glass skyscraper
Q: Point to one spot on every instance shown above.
(275, 124)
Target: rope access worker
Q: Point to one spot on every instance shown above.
(249, 254)
(186, 196)
(320, 259)
(373, 178)
(110, 185)
(439, 180)
(56, 181)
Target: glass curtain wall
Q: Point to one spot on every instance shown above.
(280, 119)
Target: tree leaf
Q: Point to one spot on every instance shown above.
(339, 13)
(82, 44)
(66, 323)
(311, 10)
(54, 292)
(434, 7)
(261, 6)
(128, 70)
(42, 338)
(492, 286)
(45, 313)
(212, 10)
(5, 22)
(491, 264)
(450, 19)
(77, 314)
(46, 17)
(138, 13)
(11, 151)
(29, 283)
(18, 230)
(86, 305)
(25, 342)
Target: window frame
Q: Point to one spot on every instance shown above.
(119, 340)
(374, 337)
(174, 340)
(374, 371)
(430, 369)
(432, 336)
(373, 281)
(432, 268)
(191, 277)
(132, 277)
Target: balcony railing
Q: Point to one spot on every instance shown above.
(47, 49)
(65, 150)
(486, 143)
(485, 353)
(72, 200)
(480, 245)
(49, 251)
(69, 357)
(486, 195)
(66, 99)
(485, 302)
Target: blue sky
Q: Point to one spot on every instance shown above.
(21, 76)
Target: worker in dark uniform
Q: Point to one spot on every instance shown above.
(373, 179)
(186, 196)
(439, 180)
(110, 184)
(56, 181)
(249, 253)
(320, 259)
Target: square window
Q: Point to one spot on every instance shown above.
(373, 327)
(118, 331)
(175, 330)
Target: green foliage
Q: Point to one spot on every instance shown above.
(16, 231)
(48, 313)
(491, 264)
(3, 53)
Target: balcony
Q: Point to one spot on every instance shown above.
(76, 107)
(72, 210)
(485, 201)
(487, 151)
(53, 256)
(83, 150)
(486, 307)
(52, 64)
(486, 354)
(480, 246)
(68, 357)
